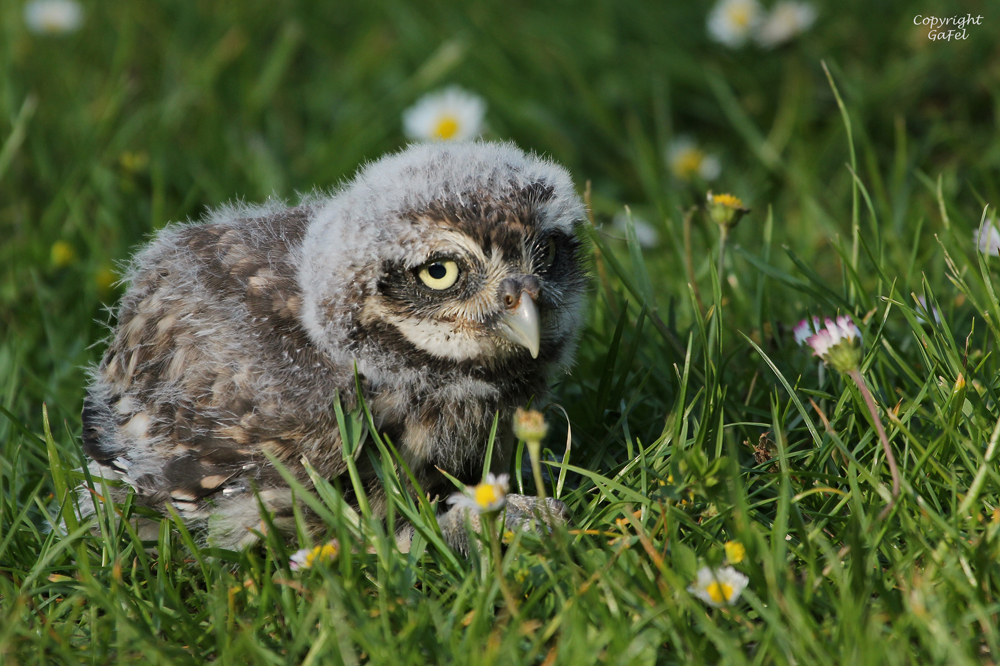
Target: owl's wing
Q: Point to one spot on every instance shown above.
(209, 368)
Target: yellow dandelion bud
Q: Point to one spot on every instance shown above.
(134, 162)
(105, 279)
(62, 254)
(735, 552)
(725, 209)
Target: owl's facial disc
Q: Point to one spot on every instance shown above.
(479, 290)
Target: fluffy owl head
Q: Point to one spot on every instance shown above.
(447, 254)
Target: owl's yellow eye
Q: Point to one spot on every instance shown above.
(439, 274)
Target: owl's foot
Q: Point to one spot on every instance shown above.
(520, 512)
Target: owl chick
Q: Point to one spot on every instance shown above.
(449, 277)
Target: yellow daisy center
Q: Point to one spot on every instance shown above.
(485, 495)
(735, 552)
(719, 592)
(688, 163)
(446, 128)
(740, 15)
(325, 552)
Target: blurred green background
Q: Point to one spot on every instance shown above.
(156, 111)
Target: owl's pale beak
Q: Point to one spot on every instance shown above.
(520, 324)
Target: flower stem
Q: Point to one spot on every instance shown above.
(535, 451)
(489, 521)
(856, 375)
(723, 235)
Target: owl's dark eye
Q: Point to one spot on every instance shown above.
(439, 275)
(550, 252)
(546, 252)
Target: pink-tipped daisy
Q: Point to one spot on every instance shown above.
(839, 344)
(805, 329)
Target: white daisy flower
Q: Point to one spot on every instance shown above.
(988, 238)
(719, 587)
(452, 114)
(686, 160)
(488, 496)
(645, 233)
(732, 22)
(53, 17)
(786, 20)
(307, 557)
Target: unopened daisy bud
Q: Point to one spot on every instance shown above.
(726, 210)
(530, 425)
(719, 587)
(839, 344)
(62, 254)
(307, 557)
(735, 552)
(488, 496)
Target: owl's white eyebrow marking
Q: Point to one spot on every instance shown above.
(447, 241)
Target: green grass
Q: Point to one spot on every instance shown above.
(155, 112)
